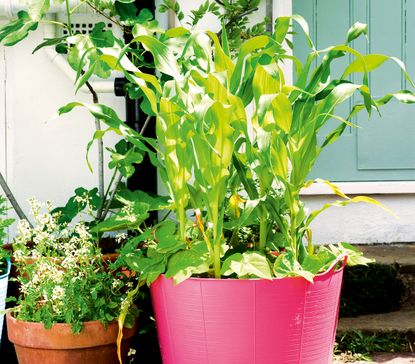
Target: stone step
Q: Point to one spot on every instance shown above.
(402, 321)
(401, 254)
(402, 257)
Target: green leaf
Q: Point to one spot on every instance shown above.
(282, 25)
(354, 255)
(247, 265)
(125, 157)
(287, 266)
(222, 60)
(369, 63)
(149, 268)
(356, 31)
(283, 114)
(73, 206)
(110, 117)
(17, 30)
(356, 199)
(145, 15)
(176, 32)
(127, 12)
(101, 37)
(185, 263)
(266, 81)
(166, 237)
(319, 262)
(129, 218)
(38, 8)
(248, 47)
(155, 203)
(164, 59)
(304, 26)
(49, 42)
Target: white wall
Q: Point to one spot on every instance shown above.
(42, 157)
(363, 223)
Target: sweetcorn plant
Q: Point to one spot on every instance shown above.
(236, 140)
(62, 275)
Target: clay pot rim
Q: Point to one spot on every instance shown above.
(60, 324)
(60, 336)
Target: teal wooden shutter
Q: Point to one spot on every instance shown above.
(383, 148)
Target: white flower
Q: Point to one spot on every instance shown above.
(116, 283)
(35, 206)
(24, 230)
(82, 231)
(131, 352)
(121, 237)
(129, 212)
(58, 293)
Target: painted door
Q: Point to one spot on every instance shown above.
(382, 148)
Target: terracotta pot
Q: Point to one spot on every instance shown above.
(93, 345)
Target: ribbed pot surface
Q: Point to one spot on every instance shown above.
(229, 321)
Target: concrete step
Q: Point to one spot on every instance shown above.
(401, 254)
(402, 321)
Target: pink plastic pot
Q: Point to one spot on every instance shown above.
(230, 321)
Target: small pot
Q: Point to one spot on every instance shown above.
(93, 345)
(4, 279)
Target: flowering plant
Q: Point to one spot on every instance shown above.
(62, 274)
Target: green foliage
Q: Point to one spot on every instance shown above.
(173, 6)
(248, 168)
(124, 157)
(83, 201)
(4, 224)
(234, 15)
(200, 13)
(363, 345)
(63, 275)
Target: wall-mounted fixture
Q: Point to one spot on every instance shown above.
(10, 8)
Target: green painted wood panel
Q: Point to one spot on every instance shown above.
(383, 148)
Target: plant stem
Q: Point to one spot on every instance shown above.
(111, 198)
(103, 14)
(217, 263)
(263, 219)
(182, 222)
(13, 200)
(101, 186)
(118, 179)
(68, 13)
(263, 231)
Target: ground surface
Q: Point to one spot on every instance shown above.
(387, 358)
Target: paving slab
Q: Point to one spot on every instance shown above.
(386, 358)
(402, 321)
